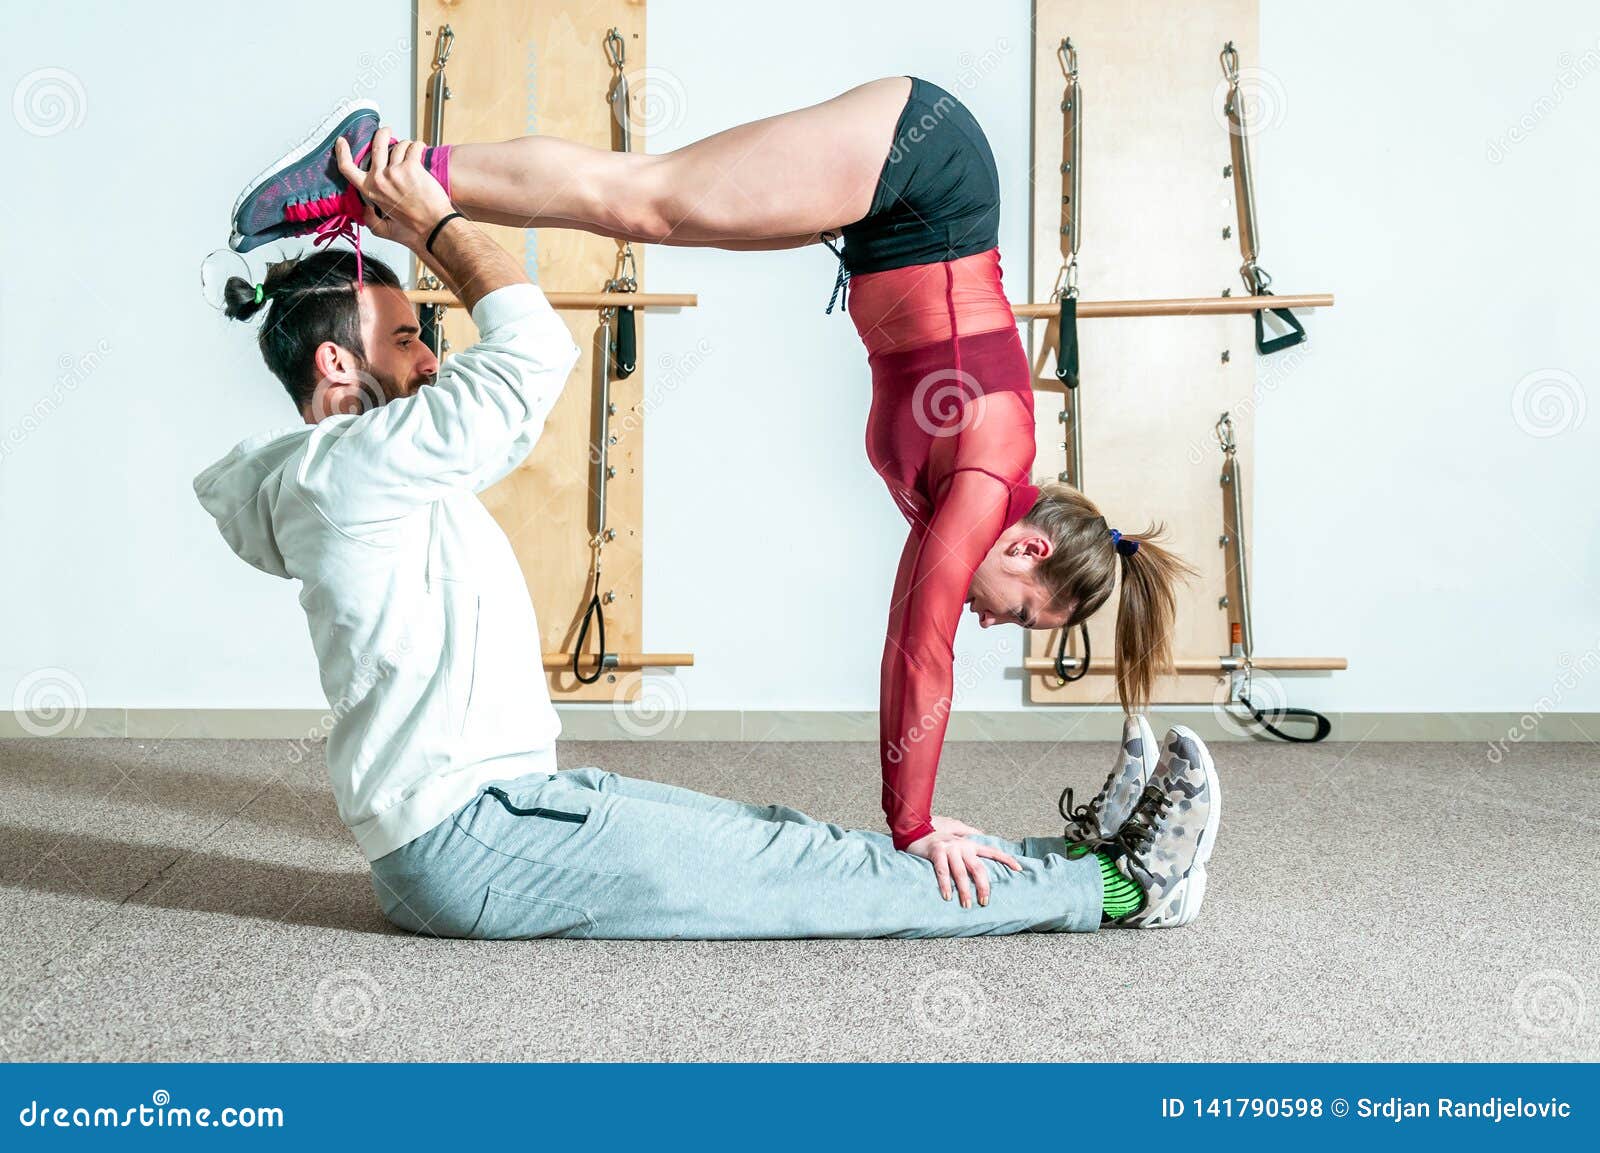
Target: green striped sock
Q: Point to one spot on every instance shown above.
(1119, 896)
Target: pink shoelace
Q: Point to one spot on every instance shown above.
(331, 217)
(337, 215)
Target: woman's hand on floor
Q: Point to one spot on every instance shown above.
(958, 863)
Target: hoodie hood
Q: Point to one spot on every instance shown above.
(240, 490)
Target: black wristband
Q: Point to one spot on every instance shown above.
(434, 235)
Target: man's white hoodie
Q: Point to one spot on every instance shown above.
(427, 642)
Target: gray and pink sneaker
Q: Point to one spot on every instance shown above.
(302, 192)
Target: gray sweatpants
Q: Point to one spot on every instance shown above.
(586, 853)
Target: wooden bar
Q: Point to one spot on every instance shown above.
(572, 300)
(1192, 306)
(1196, 306)
(555, 661)
(1208, 664)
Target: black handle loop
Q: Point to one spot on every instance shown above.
(428, 322)
(1067, 350)
(1323, 725)
(1266, 345)
(1061, 657)
(627, 343)
(597, 614)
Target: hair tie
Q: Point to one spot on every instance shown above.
(261, 293)
(1124, 546)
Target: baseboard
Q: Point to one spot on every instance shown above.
(608, 723)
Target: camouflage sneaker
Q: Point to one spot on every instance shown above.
(1168, 839)
(1097, 822)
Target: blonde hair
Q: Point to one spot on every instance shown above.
(1082, 570)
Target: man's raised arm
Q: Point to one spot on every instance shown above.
(484, 412)
(406, 204)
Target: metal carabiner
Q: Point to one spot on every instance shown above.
(1068, 55)
(616, 49)
(1230, 64)
(441, 48)
(1224, 434)
(627, 278)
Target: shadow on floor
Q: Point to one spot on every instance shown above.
(183, 777)
(170, 877)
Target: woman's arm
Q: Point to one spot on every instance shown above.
(918, 673)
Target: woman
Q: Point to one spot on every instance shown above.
(901, 172)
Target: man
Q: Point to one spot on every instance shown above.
(443, 758)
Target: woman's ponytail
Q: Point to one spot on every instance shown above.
(1147, 610)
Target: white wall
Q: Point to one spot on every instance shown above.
(1405, 516)
(112, 572)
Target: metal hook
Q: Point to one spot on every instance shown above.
(627, 278)
(616, 50)
(1068, 55)
(1230, 64)
(1224, 434)
(441, 49)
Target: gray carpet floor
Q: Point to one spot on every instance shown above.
(199, 900)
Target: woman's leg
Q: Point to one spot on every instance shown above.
(774, 183)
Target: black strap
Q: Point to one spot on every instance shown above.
(841, 283)
(627, 343)
(596, 614)
(1266, 345)
(1067, 351)
(1061, 656)
(428, 322)
(1324, 726)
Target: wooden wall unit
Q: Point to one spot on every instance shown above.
(518, 68)
(1156, 200)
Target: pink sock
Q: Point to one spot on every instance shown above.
(437, 162)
